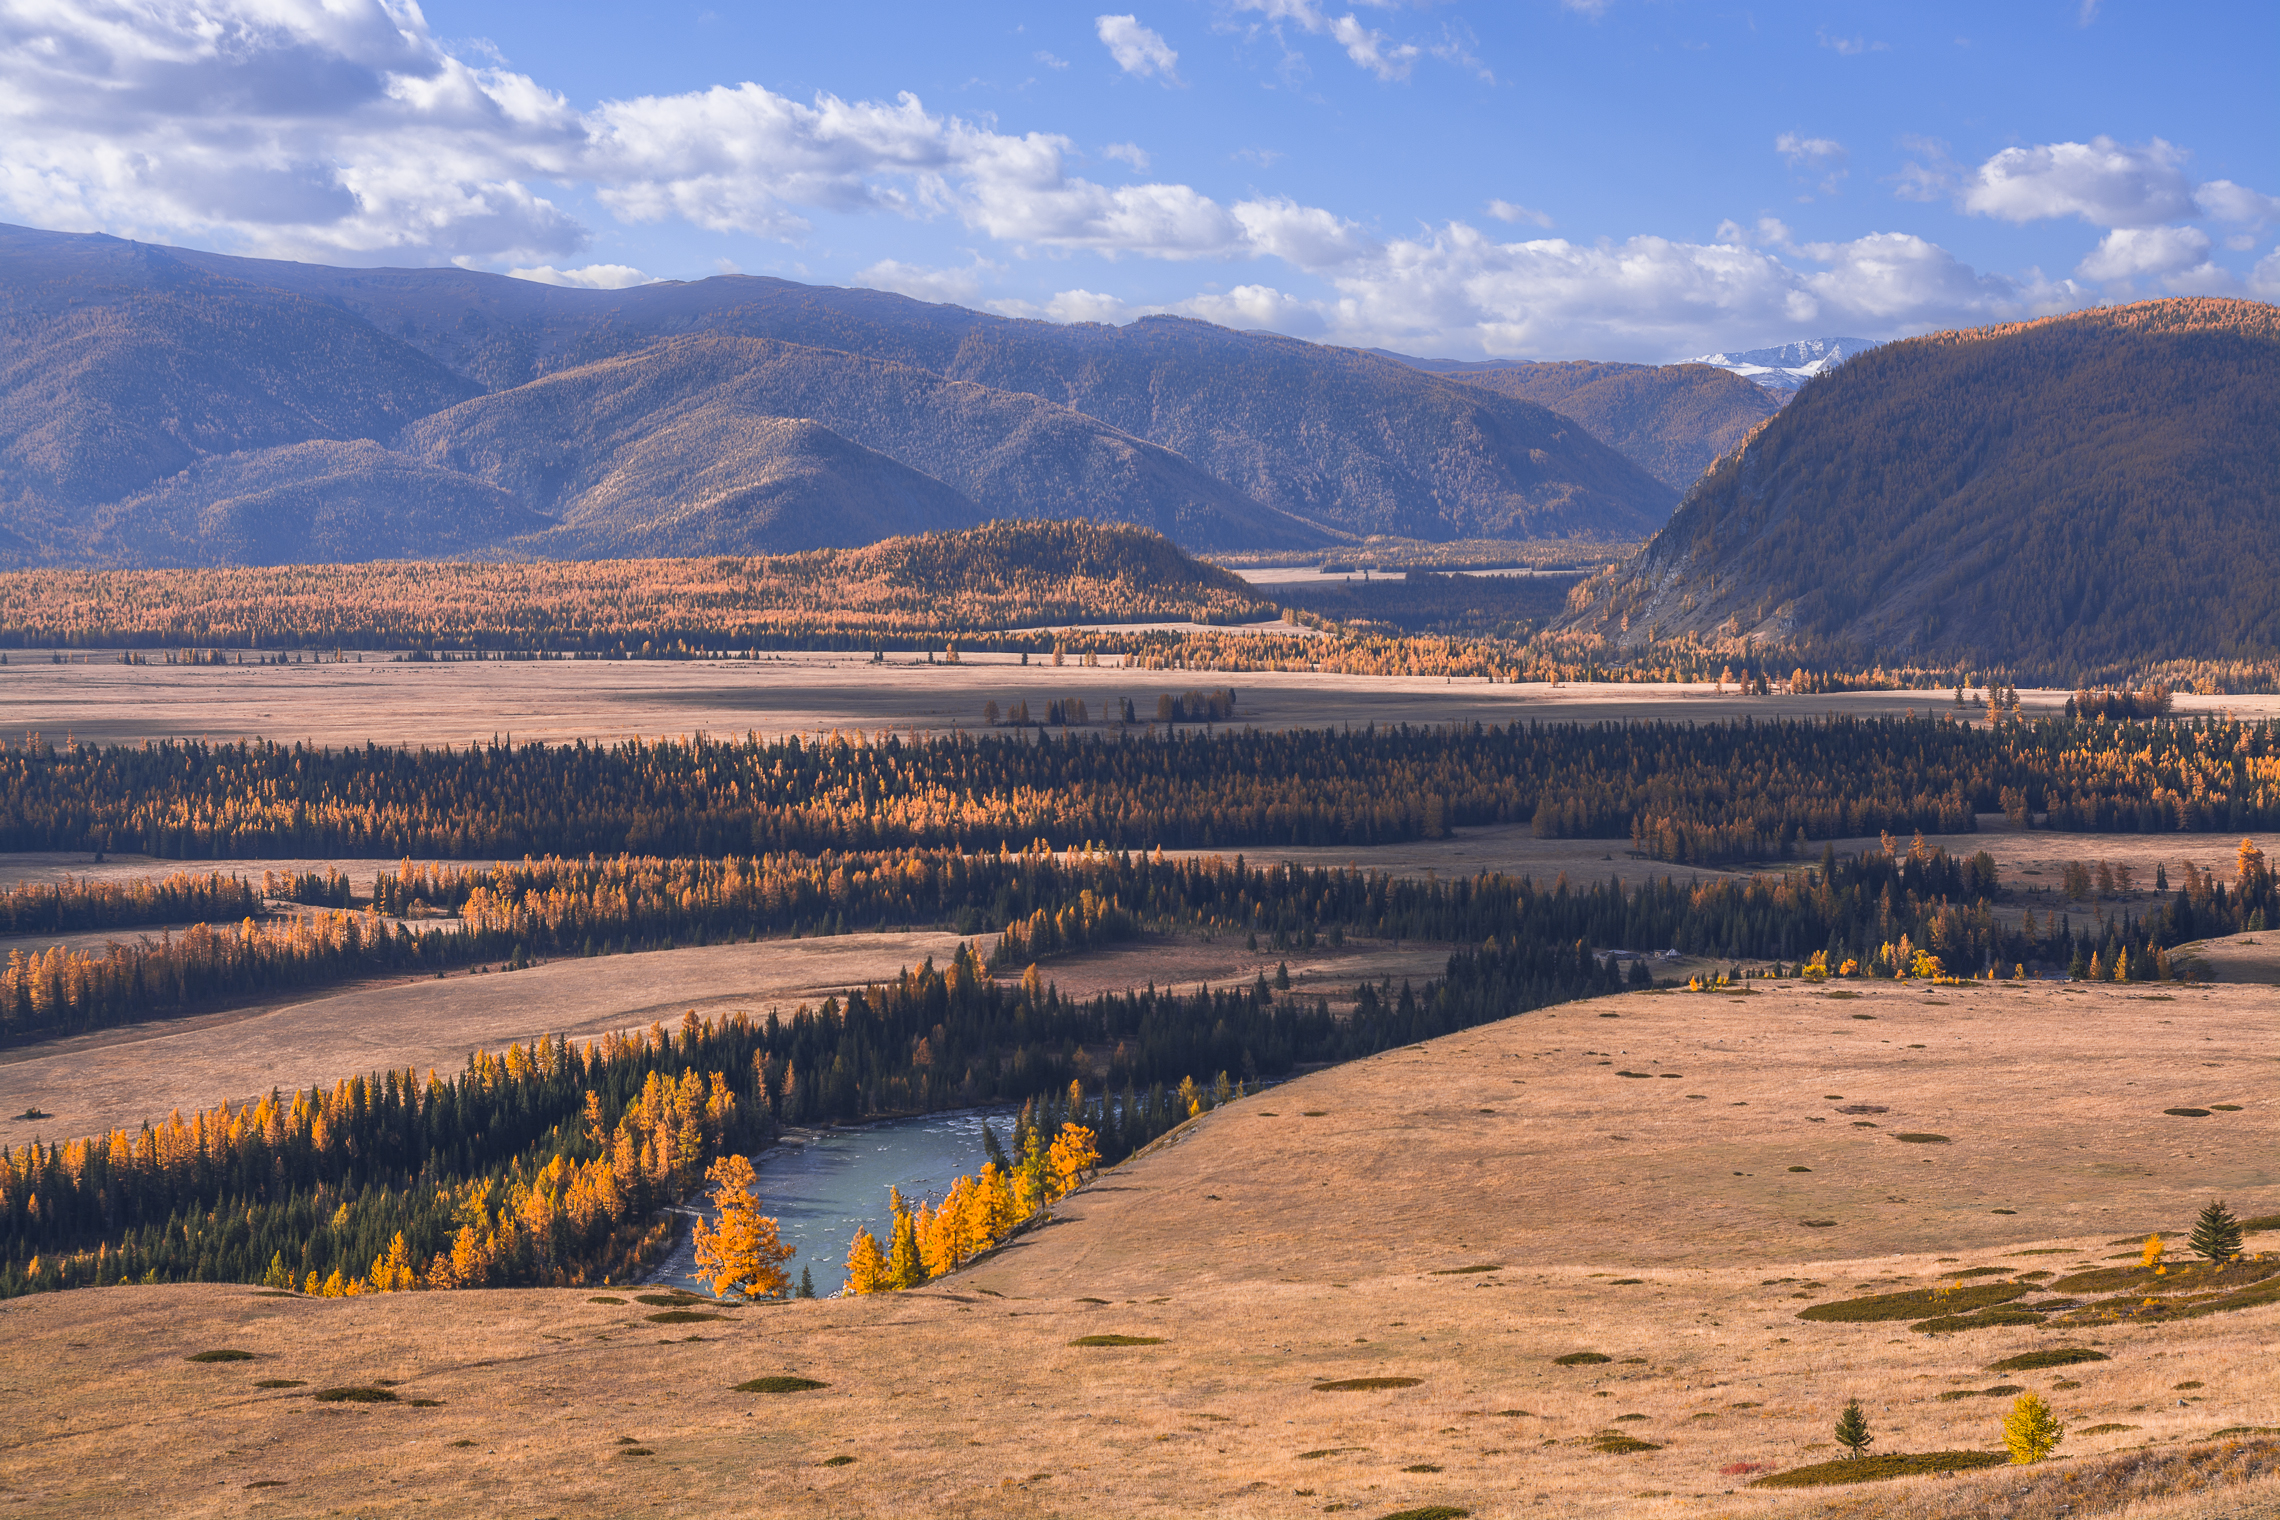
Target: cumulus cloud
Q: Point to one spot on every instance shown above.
(2228, 202)
(1130, 153)
(592, 277)
(1136, 49)
(2264, 279)
(342, 129)
(2105, 183)
(2133, 253)
(956, 287)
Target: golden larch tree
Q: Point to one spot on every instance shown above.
(743, 1255)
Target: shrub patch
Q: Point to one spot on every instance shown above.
(2060, 1356)
(1118, 1340)
(356, 1395)
(1429, 1512)
(1581, 1359)
(1366, 1384)
(2187, 1113)
(842, 1460)
(779, 1384)
(1913, 1138)
(1912, 1304)
(281, 1383)
(1877, 1469)
(219, 1356)
(1616, 1444)
(1486, 1266)
(684, 1317)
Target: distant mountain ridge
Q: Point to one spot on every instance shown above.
(1786, 366)
(2067, 497)
(168, 402)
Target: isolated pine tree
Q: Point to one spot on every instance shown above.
(2216, 1234)
(807, 1284)
(1852, 1429)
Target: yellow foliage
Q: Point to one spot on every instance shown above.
(743, 1255)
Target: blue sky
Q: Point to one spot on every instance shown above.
(1595, 178)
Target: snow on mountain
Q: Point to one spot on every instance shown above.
(1784, 368)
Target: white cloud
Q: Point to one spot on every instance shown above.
(2101, 181)
(1136, 49)
(1306, 236)
(1130, 153)
(2228, 202)
(1850, 47)
(1370, 49)
(1050, 61)
(1513, 211)
(957, 287)
(1824, 157)
(2264, 279)
(1587, 7)
(2131, 253)
(2088, 13)
(592, 277)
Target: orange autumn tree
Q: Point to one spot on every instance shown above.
(928, 1240)
(744, 1254)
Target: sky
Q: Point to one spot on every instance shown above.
(1609, 179)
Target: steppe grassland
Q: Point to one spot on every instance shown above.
(560, 701)
(1308, 1234)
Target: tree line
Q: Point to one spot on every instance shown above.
(1683, 791)
(548, 1164)
(75, 904)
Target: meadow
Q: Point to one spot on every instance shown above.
(1336, 1227)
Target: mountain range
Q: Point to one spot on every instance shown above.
(2072, 495)
(165, 406)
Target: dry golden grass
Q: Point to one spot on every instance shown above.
(1272, 1250)
(611, 700)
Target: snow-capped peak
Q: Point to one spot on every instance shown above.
(1788, 366)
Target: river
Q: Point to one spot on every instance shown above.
(823, 1185)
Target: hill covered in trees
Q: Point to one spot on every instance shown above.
(999, 575)
(131, 364)
(2061, 498)
(1671, 420)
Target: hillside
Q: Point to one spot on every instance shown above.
(1005, 574)
(1671, 420)
(1335, 436)
(592, 444)
(2061, 497)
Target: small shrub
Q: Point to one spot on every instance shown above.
(1581, 1359)
(684, 1317)
(600, 1299)
(1092, 1300)
(1327, 1451)
(1877, 1469)
(1818, 1224)
(2110, 1429)
(1622, 1445)
(779, 1384)
(1366, 1384)
(635, 1451)
(1313, 1113)
(2060, 1356)
(1514, 1414)
(1625, 1282)
(1920, 1139)
(281, 1383)
(267, 1483)
(462, 1443)
(427, 1403)
(1801, 1169)
(356, 1395)
(1422, 1467)
(219, 1356)
(1429, 1512)
(2187, 1113)
(1486, 1266)
(842, 1460)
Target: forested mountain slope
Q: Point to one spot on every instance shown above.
(2056, 496)
(1671, 420)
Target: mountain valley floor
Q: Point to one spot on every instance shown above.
(1340, 1226)
(471, 702)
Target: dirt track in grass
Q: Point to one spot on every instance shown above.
(1314, 1233)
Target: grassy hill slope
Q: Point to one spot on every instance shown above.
(2064, 496)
